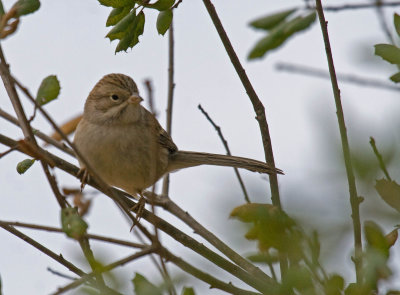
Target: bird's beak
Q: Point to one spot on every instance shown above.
(135, 99)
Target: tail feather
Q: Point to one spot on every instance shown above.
(184, 159)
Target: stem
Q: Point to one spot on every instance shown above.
(171, 86)
(345, 145)
(228, 152)
(380, 159)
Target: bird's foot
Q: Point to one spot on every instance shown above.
(138, 208)
(84, 176)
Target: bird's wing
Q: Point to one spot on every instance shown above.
(164, 139)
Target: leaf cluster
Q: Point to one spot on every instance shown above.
(127, 19)
(280, 27)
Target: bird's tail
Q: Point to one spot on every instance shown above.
(184, 159)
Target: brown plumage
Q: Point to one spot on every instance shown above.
(127, 146)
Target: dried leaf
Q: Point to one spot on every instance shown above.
(67, 128)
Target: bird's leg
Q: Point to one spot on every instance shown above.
(138, 208)
(84, 176)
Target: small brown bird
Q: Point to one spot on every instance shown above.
(126, 145)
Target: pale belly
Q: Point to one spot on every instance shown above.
(122, 160)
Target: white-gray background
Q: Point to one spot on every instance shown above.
(66, 38)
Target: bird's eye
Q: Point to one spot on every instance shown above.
(114, 97)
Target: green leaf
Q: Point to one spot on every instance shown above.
(116, 3)
(388, 52)
(389, 191)
(270, 21)
(144, 287)
(395, 78)
(121, 28)
(396, 20)
(263, 257)
(24, 165)
(375, 238)
(161, 4)
(72, 223)
(24, 7)
(333, 285)
(280, 34)
(299, 24)
(164, 20)
(2, 12)
(48, 90)
(117, 14)
(188, 291)
(131, 37)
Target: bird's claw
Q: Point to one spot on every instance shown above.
(84, 176)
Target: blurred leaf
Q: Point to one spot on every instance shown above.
(375, 237)
(116, 3)
(396, 20)
(144, 287)
(164, 20)
(24, 165)
(49, 89)
(161, 4)
(73, 224)
(389, 191)
(280, 34)
(24, 7)
(299, 278)
(393, 292)
(334, 285)
(354, 289)
(188, 291)
(2, 12)
(131, 37)
(392, 237)
(271, 20)
(395, 78)
(263, 257)
(315, 247)
(252, 212)
(67, 128)
(388, 52)
(117, 14)
(121, 28)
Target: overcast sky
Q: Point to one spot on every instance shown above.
(66, 38)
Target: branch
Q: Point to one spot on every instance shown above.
(59, 230)
(337, 8)
(103, 269)
(314, 72)
(379, 157)
(354, 201)
(228, 152)
(170, 101)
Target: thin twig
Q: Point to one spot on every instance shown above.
(170, 100)
(40, 134)
(354, 201)
(382, 20)
(57, 273)
(337, 8)
(380, 158)
(319, 73)
(90, 236)
(103, 269)
(228, 152)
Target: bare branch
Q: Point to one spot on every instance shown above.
(345, 145)
(228, 152)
